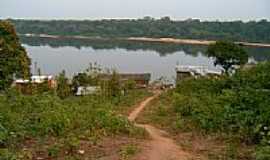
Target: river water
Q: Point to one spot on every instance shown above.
(74, 55)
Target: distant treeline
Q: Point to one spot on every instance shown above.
(149, 27)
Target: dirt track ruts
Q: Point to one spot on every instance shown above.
(160, 146)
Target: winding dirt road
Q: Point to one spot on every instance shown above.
(160, 147)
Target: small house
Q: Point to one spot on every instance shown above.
(184, 72)
(36, 81)
(83, 91)
(39, 79)
(141, 79)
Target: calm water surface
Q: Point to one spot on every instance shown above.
(73, 56)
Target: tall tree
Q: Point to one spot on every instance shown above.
(227, 55)
(63, 87)
(14, 61)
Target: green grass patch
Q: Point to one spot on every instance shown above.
(45, 119)
(235, 108)
(127, 151)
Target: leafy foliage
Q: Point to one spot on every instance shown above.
(114, 85)
(127, 151)
(227, 54)
(263, 153)
(230, 104)
(45, 116)
(13, 57)
(111, 85)
(63, 88)
(150, 27)
(237, 106)
(234, 108)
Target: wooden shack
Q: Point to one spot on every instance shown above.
(141, 79)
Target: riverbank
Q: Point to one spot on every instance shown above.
(145, 39)
(192, 41)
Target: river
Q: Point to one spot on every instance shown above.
(74, 55)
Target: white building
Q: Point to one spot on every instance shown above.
(184, 71)
(83, 91)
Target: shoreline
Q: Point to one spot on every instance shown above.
(145, 39)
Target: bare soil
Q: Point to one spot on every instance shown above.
(107, 148)
(160, 146)
(191, 41)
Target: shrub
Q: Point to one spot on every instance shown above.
(263, 153)
(127, 151)
(6, 155)
(130, 84)
(231, 104)
(63, 87)
(45, 115)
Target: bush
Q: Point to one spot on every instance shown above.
(6, 155)
(130, 84)
(63, 87)
(263, 153)
(3, 135)
(230, 104)
(45, 115)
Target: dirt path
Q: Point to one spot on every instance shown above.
(134, 114)
(160, 147)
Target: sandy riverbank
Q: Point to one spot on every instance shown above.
(191, 41)
(145, 39)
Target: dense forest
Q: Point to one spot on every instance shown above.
(148, 27)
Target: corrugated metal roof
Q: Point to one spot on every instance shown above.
(199, 70)
(35, 79)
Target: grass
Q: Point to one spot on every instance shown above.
(213, 146)
(229, 114)
(128, 102)
(128, 151)
(160, 113)
(45, 126)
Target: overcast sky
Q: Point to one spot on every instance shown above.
(97, 9)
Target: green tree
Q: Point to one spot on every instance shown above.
(14, 61)
(114, 85)
(80, 79)
(63, 87)
(227, 55)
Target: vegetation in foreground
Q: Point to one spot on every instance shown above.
(53, 126)
(46, 123)
(235, 108)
